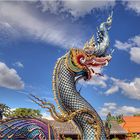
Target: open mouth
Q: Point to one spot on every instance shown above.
(99, 61)
(96, 62)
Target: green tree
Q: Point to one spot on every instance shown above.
(109, 117)
(136, 114)
(4, 110)
(25, 112)
(118, 118)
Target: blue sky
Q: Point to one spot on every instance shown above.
(33, 35)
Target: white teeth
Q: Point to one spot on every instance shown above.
(106, 63)
(93, 61)
(110, 56)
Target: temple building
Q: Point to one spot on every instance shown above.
(117, 131)
(128, 130)
(131, 124)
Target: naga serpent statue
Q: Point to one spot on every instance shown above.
(76, 64)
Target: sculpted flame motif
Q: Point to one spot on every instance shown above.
(76, 64)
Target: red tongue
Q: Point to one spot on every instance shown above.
(102, 59)
(96, 64)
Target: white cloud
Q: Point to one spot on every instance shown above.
(135, 54)
(128, 110)
(21, 17)
(9, 78)
(13, 109)
(47, 116)
(130, 89)
(133, 5)
(55, 31)
(114, 109)
(122, 46)
(7, 33)
(136, 40)
(110, 106)
(112, 90)
(18, 64)
(132, 46)
(96, 80)
(51, 6)
(76, 8)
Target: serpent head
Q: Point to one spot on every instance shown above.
(83, 61)
(109, 20)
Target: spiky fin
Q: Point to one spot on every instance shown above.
(90, 45)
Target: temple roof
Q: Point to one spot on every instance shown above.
(116, 128)
(131, 124)
(65, 127)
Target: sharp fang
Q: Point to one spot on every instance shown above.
(93, 61)
(106, 63)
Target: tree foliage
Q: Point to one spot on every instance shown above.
(136, 114)
(4, 110)
(25, 112)
(118, 118)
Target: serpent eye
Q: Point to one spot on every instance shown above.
(109, 19)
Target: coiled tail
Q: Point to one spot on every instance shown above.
(26, 128)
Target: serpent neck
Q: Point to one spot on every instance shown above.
(69, 100)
